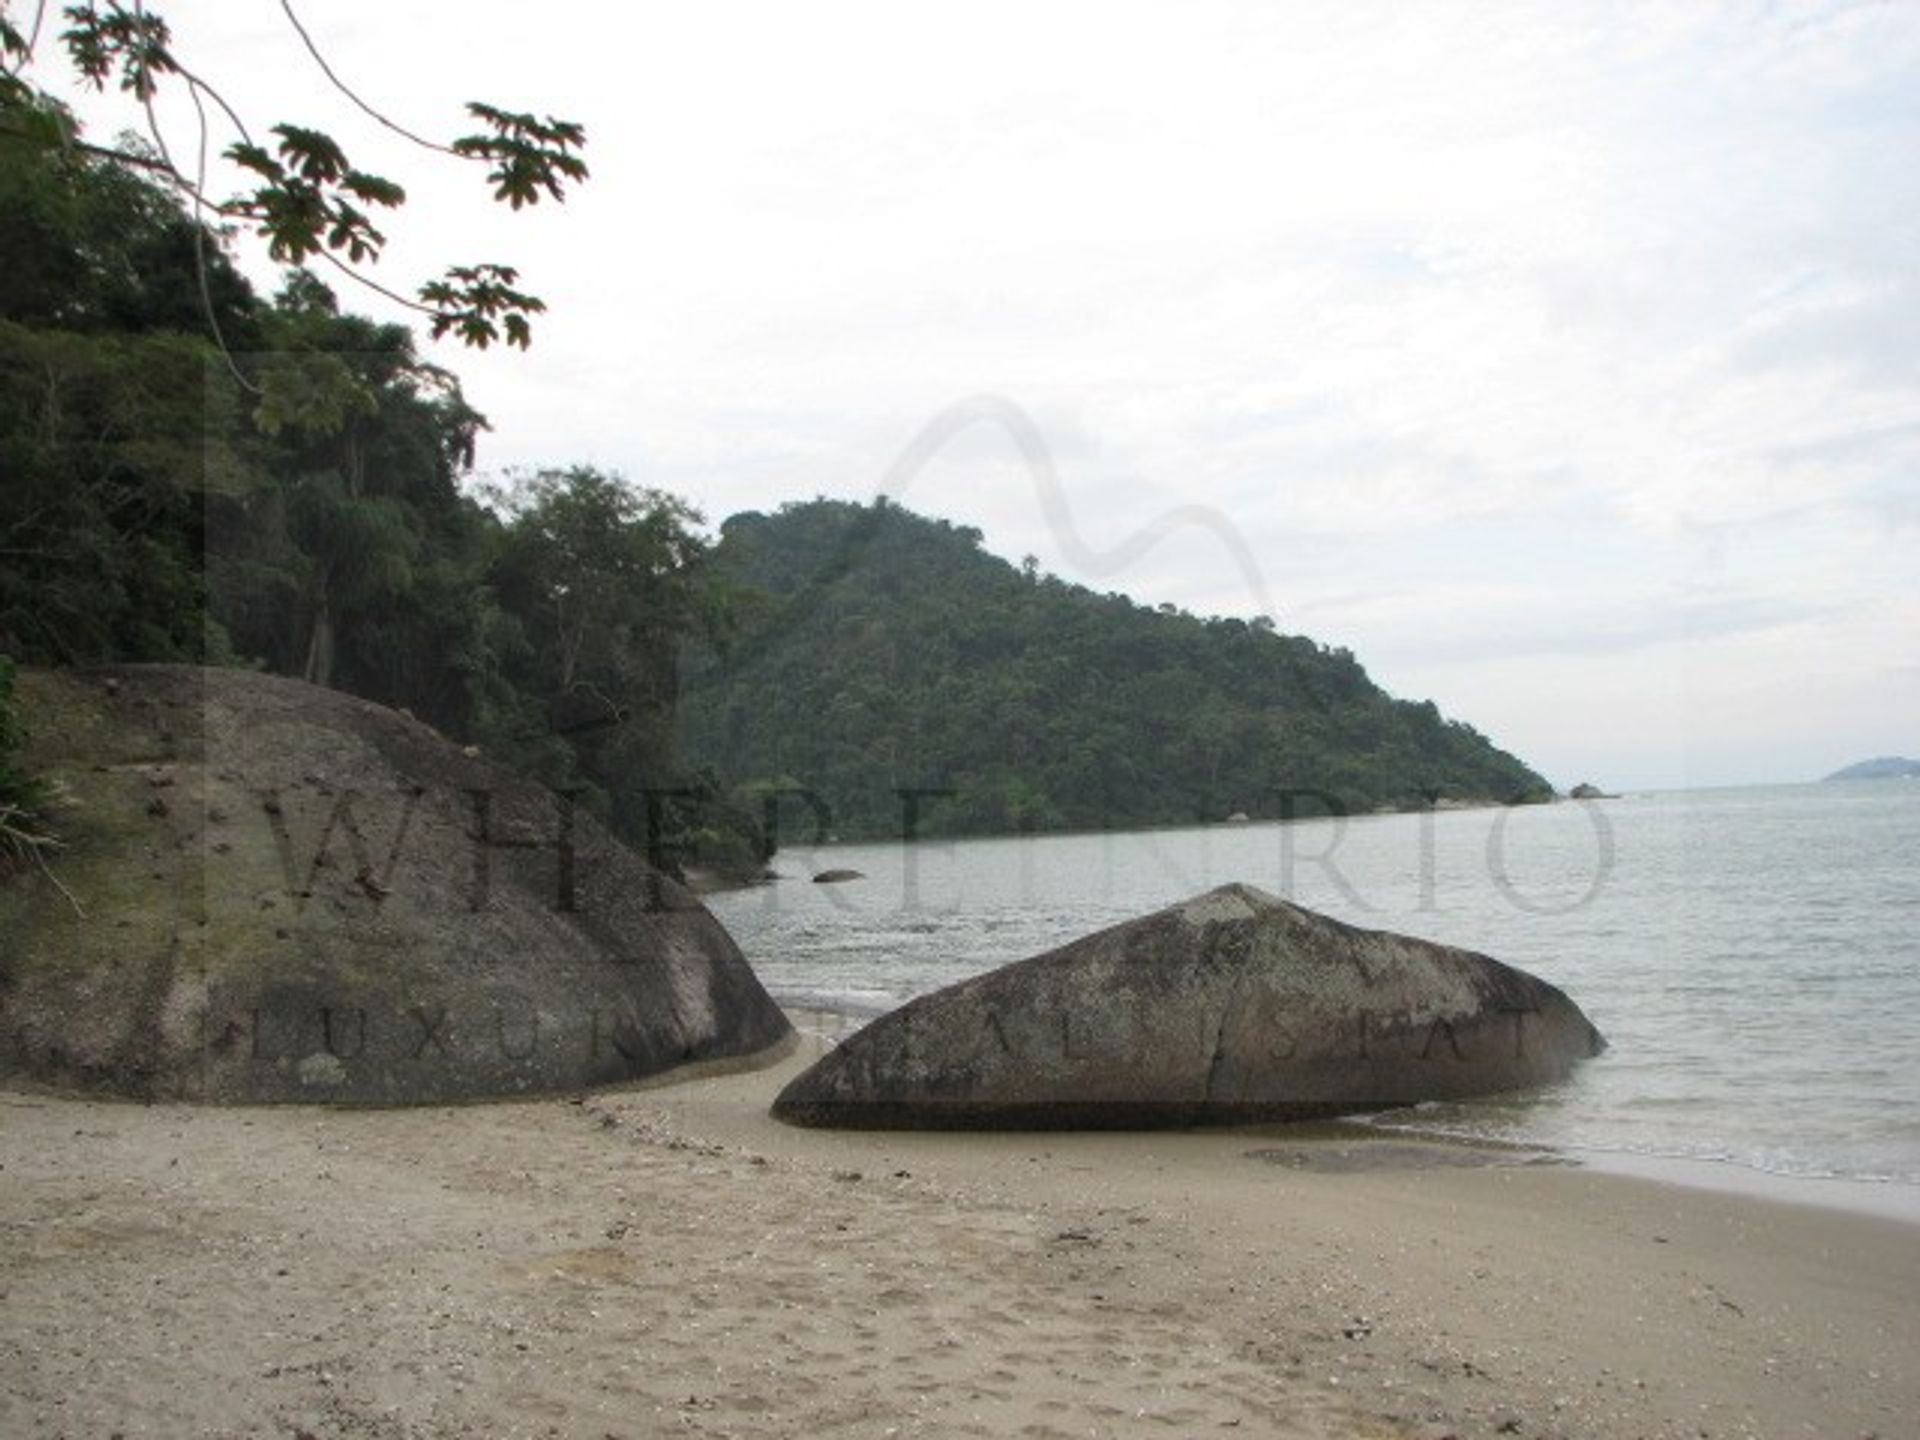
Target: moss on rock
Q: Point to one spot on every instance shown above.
(278, 892)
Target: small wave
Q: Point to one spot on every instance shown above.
(1415, 1121)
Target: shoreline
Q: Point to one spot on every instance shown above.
(713, 880)
(1846, 1194)
(1889, 1200)
(669, 1258)
(1449, 805)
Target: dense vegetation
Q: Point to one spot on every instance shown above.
(195, 472)
(295, 498)
(891, 653)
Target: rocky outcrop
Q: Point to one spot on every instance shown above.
(282, 893)
(1232, 1007)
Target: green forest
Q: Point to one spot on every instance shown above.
(881, 652)
(197, 472)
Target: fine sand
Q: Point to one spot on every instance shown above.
(669, 1261)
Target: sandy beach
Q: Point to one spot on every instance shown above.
(669, 1261)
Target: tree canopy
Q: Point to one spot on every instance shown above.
(303, 197)
(891, 653)
(196, 472)
(304, 504)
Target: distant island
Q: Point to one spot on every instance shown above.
(1885, 767)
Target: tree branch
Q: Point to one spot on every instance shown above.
(200, 252)
(233, 116)
(119, 157)
(307, 198)
(348, 91)
(374, 285)
(143, 162)
(33, 35)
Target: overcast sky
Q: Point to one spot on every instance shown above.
(1561, 360)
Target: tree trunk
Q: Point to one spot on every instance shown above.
(319, 667)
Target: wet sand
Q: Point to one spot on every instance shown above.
(669, 1261)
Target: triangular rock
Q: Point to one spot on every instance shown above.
(1232, 1007)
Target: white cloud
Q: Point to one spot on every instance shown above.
(1531, 317)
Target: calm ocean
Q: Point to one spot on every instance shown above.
(1752, 955)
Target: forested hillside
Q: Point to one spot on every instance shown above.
(192, 472)
(890, 652)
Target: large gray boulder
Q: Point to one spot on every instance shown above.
(1232, 1007)
(274, 892)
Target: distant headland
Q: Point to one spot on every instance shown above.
(1885, 767)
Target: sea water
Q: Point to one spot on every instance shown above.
(1752, 955)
